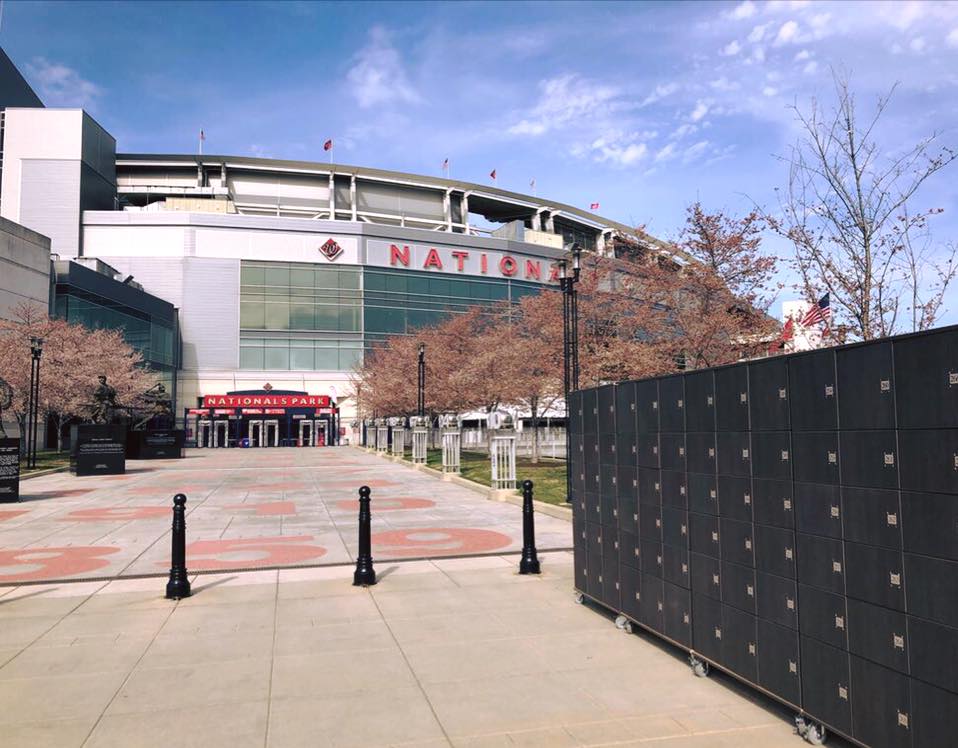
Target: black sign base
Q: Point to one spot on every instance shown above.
(9, 470)
(97, 449)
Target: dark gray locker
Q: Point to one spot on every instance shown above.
(607, 450)
(605, 397)
(675, 527)
(875, 575)
(610, 572)
(578, 507)
(778, 661)
(576, 425)
(869, 458)
(735, 497)
(707, 627)
(593, 507)
(926, 380)
(934, 653)
(866, 398)
(818, 509)
(652, 602)
(629, 591)
(881, 705)
(872, 516)
(675, 565)
(740, 642)
(731, 398)
(738, 587)
(651, 560)
(700, 451)
(628, 496)
(705, 574)
(594, 570)
(738, 545)
(674, 490)
(608, 508)
(626, 452)
(594, 538)
(734, 453)
(878, 634)
(703, 493)
(580, 559)
(930, 524)
(816, 457)
(826, 689)
(932, 588)
(777, 599)
(700, 401)
(590, 412)
(821, 562)
(704, 535)
(811, 378)
(647, 406)
(775, 550)
(650, 522)
(929, 460)
(650, 487)
(647, 450)
(768, 394)
(672, 451)
(628, 549)
(772, 455)
(934, 715)
(625, 408)
(774, 503)
(823, 616)
(678, 614)
(672, 403)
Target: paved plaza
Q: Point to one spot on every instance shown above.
(461, 652)
(249, 508)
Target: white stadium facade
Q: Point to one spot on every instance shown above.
(282, 272)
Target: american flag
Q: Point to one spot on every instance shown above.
(594, 206)
(820, 312)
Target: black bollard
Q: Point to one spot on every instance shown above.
(179, 585)
(530, 561)
(365, 574)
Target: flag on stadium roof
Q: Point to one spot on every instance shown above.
(820, 312)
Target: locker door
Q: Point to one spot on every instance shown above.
(652, 603)
(675, 527)
(772, 455)
(816, 457)
(823, 616)
(628, 550)
(928, 460)
(650, 487)
(774, 502)
(818, 509)
(700, 401)
(777, 599)
(866, 397)
(629, 591)
(738, 587)
(735, 498)
(826, 692)
(738, 545)
(705, 575)
(606, 409)
(647, 406)
(821, 563)
(675, 566)
(647, 450)
(869, 458)
(651, 559)
(650, 522)
(731, 398)
(775, 550)
(700, 451)
(934, 649)
(672, 403)
(872, 516)
(734, 453)
(768, 395)
(811, 378)
(627, 495)
(704, 535)
(875, 575)
(625, 408)
(778, 661)
(932, 588)
(927, 388)
(703, 493)
(934, 715)
(672, 451)
(610, 571)
(930, 524)
(580, 558)
(677, 617)
(740, 642)
(674, 489)
(707, 632)
(878, 634)
(881, 705)
(590, 412)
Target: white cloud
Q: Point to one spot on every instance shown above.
(665, 153)
(377, 75)
(917, 44)
(660, 92)
(758, 54)
(701, 109)
(694, 151)
(769, 91)
(758, 33)
(724, 84)
(563, 100)
(803, 55)
(908, 13)
(787, 32)
(60, 85)
(810, 68)
(743, 10)
(619, 154)
(732, 48)
(682, 130)
(952, 39)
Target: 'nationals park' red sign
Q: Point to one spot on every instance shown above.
(266, 401)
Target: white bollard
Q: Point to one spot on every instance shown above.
(503, 462)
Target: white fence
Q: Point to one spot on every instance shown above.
(503, 462)
(551, 442)
(399, 442)
(450, 451)
(419, 437)
(382, 438)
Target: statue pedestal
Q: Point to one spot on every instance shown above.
(97, 449)
(9, 470)
(155, 444)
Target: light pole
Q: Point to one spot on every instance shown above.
(570, 346)
(422, 380)
(36, 350)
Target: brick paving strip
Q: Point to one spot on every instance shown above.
(441, 652)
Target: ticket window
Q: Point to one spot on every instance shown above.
(271, 433)
(255, 433)
(221, 434)
(307, 434)
(204, 434)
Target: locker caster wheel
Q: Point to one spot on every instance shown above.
(628, 627)
(699, 667)
(813, 733)
(579, 598)
(620, 622)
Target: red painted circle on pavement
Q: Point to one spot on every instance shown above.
(119, 513)
(29, 564)
(241, 553)
(438, 541)
(334, 485)
(10, 514)
(270, 509)
(387, 505)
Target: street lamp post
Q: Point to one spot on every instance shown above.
(570, 346)
(36, 350)
(421, 407)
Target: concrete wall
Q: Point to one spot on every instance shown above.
(24, 267)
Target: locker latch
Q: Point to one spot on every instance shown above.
(885, 385)
(681, 451)
(680, 404)
(612, 447)
(635, 516)
(655, 449)
(635, 483)
(709, 400)
(903, 720)
(712, 493)
(684, 531)
(952, 377)
(743, 397)
(615, 544)
(749, 590)
(781, 394)
(747, 498)
(788, 553)
(613, 480)
(829, 390)
(600, 579)
(659, 606)
(748, 544)
(636, 551)
(751, 648)
(894, 578)
(784, 455)
(956, 461)
(892, 519)
(834, 512)
(787, 504)
(789, 603)
(658, 559)
(843, 693)
(632, 407)
(792, 667)
(840, 622)
(744, 454)
(715, 579)
(832, 458)
(898, 641)
(837, 567)
(658, 522)
(685, 568)
(890, 458)
(633, 449)
(714, 537)
(711, 451)
(657, 487)
(718, 633)
(617, 585)
(636, 595)
(681, 490)
(685, 618)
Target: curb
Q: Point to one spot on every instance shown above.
(41, 473)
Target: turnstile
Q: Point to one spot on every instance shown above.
(264, 433)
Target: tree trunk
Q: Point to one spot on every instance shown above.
(534, 407)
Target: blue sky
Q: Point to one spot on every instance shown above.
(641, 107)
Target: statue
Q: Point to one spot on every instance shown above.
(104, 407)
(6, 400)
(160, 405)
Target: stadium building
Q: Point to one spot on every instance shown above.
(281, 272)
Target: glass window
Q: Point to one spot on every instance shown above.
(349, 279)
(327, 357)
(252, 275)
(301, 316)
(349, 358)
(252, 314)
(251, 358)
(277, 275)
(326, 278)
(277, 358)
(301, 358)
(327, 317)
(277, 315)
